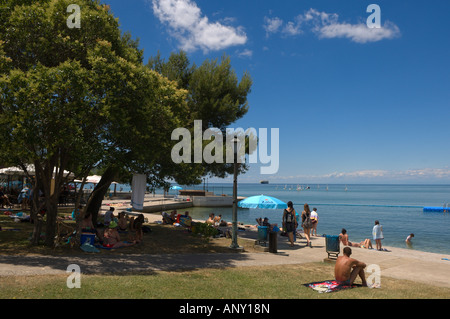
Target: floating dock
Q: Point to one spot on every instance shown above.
(431, 209)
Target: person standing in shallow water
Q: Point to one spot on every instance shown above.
(408, 240)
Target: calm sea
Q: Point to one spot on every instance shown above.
(399, 208)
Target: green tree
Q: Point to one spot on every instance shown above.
(215, 96)
(76, 98)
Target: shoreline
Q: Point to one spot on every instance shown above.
(398, 263)
(168, 204)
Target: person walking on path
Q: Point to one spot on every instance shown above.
(289, 222)
(307, 224)
(377, 232)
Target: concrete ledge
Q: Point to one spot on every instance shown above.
(168, 206)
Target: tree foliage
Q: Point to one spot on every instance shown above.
(215, 96)
(81, 98)
(74, 98)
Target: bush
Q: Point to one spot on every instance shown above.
(205, 230)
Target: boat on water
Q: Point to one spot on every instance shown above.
(264, 182)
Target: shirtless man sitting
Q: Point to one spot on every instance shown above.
(347, 269)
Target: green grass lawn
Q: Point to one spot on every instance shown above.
(268, 282)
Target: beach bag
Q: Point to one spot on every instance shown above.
(307, 222)
(289, 216)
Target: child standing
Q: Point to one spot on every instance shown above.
(314, 220)
(377, 234)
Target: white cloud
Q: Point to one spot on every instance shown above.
(193, 30)
(272, 25)
(409, 175)
(359, 33)
(292, 28)
(245, 54)
(327, 25)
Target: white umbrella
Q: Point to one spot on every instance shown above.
(15, 170)
(94, 179)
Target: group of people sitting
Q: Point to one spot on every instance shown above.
(265, 222)
(177, 219)
(109, 234)
(216, 221)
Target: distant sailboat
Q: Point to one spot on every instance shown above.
(345, 187)
(327, 187)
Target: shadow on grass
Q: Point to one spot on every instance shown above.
(166, 248)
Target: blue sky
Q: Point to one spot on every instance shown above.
(352, 104)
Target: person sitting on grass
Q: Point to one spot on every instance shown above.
(210, 220)
(186, 220)
(347, 269)
(108, 217)
(87, 226)
(169, 219)
(137, 226)
(111, 237)
(4, 200)
(123, 221)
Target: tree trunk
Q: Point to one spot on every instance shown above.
(36, 218)
(52, 212)
(95, 200)
(38, 222)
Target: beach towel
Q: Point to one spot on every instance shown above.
(329, 286)
(138, 185)
(9, 229)
(89, 248)
(107, 247)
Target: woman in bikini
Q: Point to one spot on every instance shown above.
(343, 236)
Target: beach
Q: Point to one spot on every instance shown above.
(355, 207)
(399, 263)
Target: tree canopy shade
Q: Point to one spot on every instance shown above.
(81, 98)
(75, 98)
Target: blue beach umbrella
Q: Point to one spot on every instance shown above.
(176, 187)
(262, 201)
